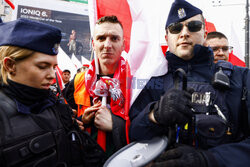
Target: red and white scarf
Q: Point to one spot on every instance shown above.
(119, 91)
(116, 86)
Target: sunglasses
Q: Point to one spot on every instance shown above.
(224, 48)
(193, 26)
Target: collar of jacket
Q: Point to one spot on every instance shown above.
(203, 56)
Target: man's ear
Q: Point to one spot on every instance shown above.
(10, 65)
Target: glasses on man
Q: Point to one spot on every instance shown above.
(224, 48)
(193, 26)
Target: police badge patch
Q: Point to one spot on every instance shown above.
(181, 13)
(201, 98)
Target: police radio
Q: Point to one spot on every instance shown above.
(221, 80)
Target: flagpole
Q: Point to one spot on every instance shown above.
(247, 36)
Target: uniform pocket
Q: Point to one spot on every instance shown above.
(210, 130)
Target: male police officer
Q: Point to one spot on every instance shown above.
(209, 115)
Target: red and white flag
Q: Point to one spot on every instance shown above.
(235, 57)
(59, 78)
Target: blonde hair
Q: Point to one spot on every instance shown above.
(15, 53)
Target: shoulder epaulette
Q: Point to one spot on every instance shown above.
(226, 67)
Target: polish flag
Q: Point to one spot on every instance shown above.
(209, 26)
(235, 57)
(59, 77)
(141, 21)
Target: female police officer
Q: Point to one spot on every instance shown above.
(33, 132)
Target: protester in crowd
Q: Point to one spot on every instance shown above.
(219, 44)
(37, 128)
(205, 120)
(66, 77)
(107, 123)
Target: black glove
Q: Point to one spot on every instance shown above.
(173, 108)
(185, 156)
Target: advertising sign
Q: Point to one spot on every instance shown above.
(71, 18)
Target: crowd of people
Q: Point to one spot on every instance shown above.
(202, 103)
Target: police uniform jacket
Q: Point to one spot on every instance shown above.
(226, 138)
(37, 130)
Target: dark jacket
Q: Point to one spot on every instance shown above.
(45, 138)
(116, 139)
(231, 144)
